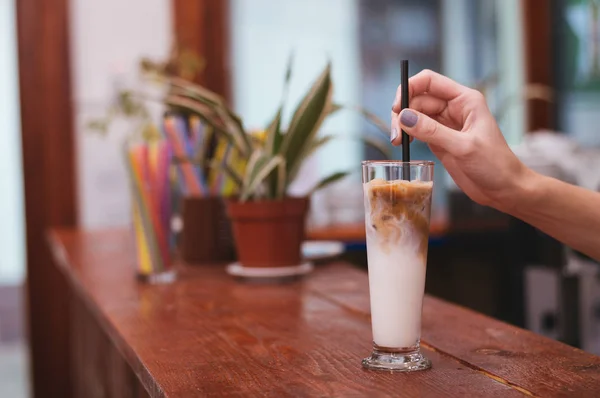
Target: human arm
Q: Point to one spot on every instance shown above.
(461, 131)
(566, 212)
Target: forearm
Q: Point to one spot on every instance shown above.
(568, 213)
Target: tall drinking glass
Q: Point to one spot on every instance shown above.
(397, 198)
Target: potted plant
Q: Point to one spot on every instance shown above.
(269, 224)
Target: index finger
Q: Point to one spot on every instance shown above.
(432, 83)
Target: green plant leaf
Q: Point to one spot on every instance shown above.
(309, 151)
(217, 103)
(227, 169)
(99, 125)
(273, 133)
(328, 180)
(234, 125)
(204, 111)
(487, 83)
(371, 117)
(281, 178)
(334, 108)
(307, 119)
(207, 115)
(530, 92)
(288, 78)
(273, 141)
(202, 148)
(254, 162)
(261, 168)
(384, 147)
(131, 106)
(197, 91)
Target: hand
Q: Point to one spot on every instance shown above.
(458, 126)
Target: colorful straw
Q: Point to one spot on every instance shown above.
(191, 181)
(192, 140)
(148, 169)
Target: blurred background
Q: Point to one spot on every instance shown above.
(537, 62)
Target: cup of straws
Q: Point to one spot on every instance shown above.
(206, 236)
(148, 164)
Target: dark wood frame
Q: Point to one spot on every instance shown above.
(203, 26)
(49, 182)
(538, 17)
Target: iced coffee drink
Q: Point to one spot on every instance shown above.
(397, 210)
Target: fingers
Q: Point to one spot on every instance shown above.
(423, 103)
(428, 104)
(395, 130)
(424, 128)
(433, 84)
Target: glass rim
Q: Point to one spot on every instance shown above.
(397, 163)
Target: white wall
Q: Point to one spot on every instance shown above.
(12, 228)
(108, 38)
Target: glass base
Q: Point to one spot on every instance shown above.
(158, 278)
(398, 360)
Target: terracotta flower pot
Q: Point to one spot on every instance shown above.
(269, 233)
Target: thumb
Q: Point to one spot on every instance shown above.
(424, 128)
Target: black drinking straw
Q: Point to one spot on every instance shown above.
(404, 104)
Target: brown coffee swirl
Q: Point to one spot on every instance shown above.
(399, 207)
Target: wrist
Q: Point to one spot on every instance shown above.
(524, 193)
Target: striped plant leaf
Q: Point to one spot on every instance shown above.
(274, 135)
(215, 102)
(273, 142)
(383, 147)
(307, 119)
(276, 180)
(199, 91)
(334, 108)
(208, 116)
(328, 180)
(288, 74)
(254, 162)
(204, 112)
(308, 152)
(230, 171)
(370, 116)
(259, 173)
(235, 126)
(281, 178)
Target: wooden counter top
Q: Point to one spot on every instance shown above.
(209, 335)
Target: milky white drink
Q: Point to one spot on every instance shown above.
(397, 224)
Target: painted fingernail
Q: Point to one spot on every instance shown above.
(408, 118)
(394, 134)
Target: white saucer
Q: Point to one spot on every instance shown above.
(236, 269)
(319, 250)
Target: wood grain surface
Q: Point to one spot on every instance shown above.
(210, 335)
